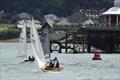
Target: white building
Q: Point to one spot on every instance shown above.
(112, 15)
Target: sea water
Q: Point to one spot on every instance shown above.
(75, 66)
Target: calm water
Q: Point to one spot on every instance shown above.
(76, 66)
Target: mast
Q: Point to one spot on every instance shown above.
(25, 41)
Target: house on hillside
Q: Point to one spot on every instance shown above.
(85, 17)
(77, 18)
(50, 19)
(63, 21)
(50, 16)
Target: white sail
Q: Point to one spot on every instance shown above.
(22, 47)
(37, 46)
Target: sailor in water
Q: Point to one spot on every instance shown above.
(30, 59)
(53, 64)
(56, 63)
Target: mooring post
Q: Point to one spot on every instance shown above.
(66, 42)
(51, 47)
(89, 43)
(74, 39)
(60, 49)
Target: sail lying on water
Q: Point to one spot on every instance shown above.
(37, 46)
(22, 47)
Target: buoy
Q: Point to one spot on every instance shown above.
(96, 56)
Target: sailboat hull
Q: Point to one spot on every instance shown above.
(52, 69)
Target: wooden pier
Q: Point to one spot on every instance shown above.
(106, 39)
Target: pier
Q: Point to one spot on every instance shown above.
(105, 39)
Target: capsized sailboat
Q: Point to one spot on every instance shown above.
(38, 49)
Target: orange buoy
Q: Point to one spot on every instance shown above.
(96, 56)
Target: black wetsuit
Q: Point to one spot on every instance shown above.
(57, 65)
(51, 65)
(30, 59)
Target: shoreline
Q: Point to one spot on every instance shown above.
(15, 40)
